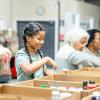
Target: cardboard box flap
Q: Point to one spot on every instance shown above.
(73, 78)
(35, 92)
(27, 91)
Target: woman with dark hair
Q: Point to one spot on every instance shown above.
(29, 61)
(93, 45)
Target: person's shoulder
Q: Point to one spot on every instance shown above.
(21, 51)
(66, 47)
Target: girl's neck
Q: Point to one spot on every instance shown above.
(32, 51)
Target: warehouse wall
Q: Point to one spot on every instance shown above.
(5, 11)
(14, 10)
(84, 9)
(26, 10)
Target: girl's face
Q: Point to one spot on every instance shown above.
(36, 42)
(80, 44)
(96, 41)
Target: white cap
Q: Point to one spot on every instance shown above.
(75, 34)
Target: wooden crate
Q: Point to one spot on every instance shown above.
(66, 84)
(93, 72)
(87, 97)
(35, 92)
(75, 78)
(18, 97)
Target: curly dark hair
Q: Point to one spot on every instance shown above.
(92, 33)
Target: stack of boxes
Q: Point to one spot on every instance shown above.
(69, 85)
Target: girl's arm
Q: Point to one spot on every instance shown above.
(32, 68)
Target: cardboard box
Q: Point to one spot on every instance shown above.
(37, 83)
(43, 94)
(90, 69)
(24, 83)
(10, 92)
(59, 84)
(46, 78)
(76, 75)
(27, 91)
(0, 88)
(87, 97)
(48, 83)
(8, 97)
(71, 78)
(75, 78)
(91, 72)
(18, 97)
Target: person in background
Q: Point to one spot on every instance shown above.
(5, 53)
(93, 45)
(5, 56)
(70, 55)
(29, 61)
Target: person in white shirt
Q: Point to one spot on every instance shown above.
(70, 55)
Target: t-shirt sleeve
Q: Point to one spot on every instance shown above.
(21, 58)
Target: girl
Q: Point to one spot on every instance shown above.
(71, 55)
(30, 62)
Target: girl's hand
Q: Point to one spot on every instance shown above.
(52, 63)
